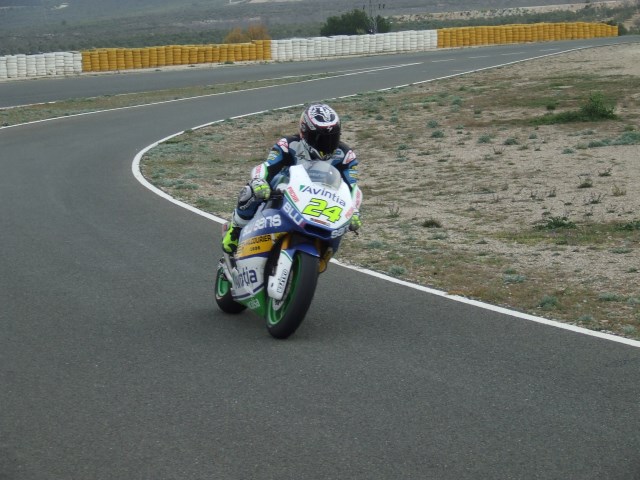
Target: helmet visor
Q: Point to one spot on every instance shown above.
(325, 142)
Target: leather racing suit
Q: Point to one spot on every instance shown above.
(285, 153)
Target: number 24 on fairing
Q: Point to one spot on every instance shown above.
(318, 207)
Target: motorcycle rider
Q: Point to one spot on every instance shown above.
(318, 139)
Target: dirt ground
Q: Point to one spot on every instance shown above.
(522, 186)
(458, 183)
(484, 194)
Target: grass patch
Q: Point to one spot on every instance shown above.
(549, 302)
(628, 226)
(562, 231)
(597, 108)
(485, 253)
(431, 223)
(555, 223)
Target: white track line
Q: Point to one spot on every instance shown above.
(135, 167)
(344, 73)
(512, 313)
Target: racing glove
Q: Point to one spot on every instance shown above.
(261, 189)
(356, 223)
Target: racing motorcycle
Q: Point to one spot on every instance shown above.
(286, 245)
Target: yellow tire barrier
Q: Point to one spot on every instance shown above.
(538, 32)
(118, 59)
(114, 59)
(110, 59)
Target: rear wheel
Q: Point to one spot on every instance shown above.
(285, 316)
(223, 294)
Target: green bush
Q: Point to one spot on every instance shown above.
(628, 138)
(597, 108)
(554, 223)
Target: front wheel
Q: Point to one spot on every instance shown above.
(285, 316)
(223, 294)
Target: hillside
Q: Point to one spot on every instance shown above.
(30, 26)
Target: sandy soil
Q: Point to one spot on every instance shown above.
(482, 191)
(481, 194)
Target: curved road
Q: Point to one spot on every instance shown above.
(116, 364)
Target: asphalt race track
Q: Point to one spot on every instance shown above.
(115, 362)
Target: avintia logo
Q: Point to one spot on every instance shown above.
(245, 277)
(323, 192)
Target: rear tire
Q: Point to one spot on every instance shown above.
(285, 316)
(223, 294)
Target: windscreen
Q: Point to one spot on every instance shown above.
(324, 173)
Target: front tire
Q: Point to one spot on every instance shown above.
(223, 294)
(285, 316)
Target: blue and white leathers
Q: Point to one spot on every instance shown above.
(310, 214)
(289, 151)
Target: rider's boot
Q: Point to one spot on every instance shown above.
(232, 233)
(230, 239)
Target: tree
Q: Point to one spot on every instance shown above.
(258, 32)
(355, 22)
(254, 32)
(351, 23)
(384, 26)
(236, 36)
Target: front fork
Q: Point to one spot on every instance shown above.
(227, 264)
(277, 281)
